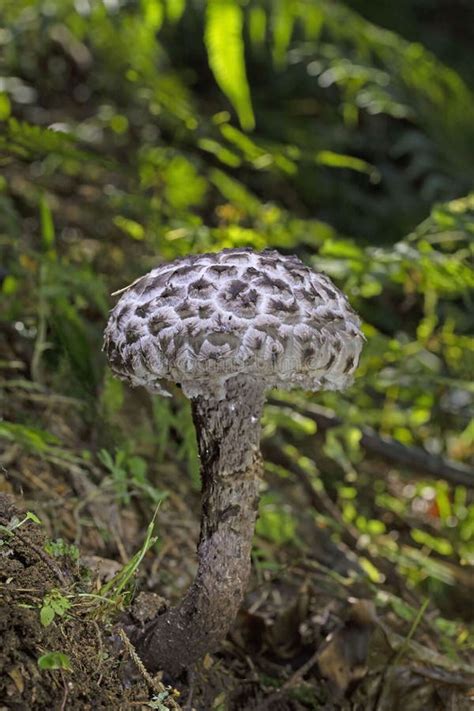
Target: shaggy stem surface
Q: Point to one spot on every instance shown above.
(228, 434)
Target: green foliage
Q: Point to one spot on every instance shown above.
(28, 141)
(129, 476)
(59, 548)
(15, 523)
(55, 604)
(275, 522)
(223, 37)
(119, 589)
(156, 701)
(29, 437)
(54, 660)
(350, 146)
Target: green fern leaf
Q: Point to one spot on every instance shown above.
(225, 49)
(283, 22)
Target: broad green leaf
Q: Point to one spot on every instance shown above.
(54, 660)
(10, 285)
(257, 25)
(225, 50)
(46, 615)
(283, 21)
(153, 13)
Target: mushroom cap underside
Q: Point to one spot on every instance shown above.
(204, 318)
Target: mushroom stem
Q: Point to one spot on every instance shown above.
(228, 434)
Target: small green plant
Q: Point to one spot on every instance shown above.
(129, 474)
(164, 694)
(118, 589)
(156, 701)
(54, 660)
(15, 522)
(54, 603)
(59, 548)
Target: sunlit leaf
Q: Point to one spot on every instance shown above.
(153, 12)
(175, 9)
(225, 48)
(130, 227)
(257, 22)
(339, 160)
(283, 20)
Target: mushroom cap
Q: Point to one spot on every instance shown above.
(204, 318)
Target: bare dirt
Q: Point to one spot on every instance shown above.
(27, 574)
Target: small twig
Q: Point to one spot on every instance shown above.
(100, 651)
(395, 658)
(138, 662)
(154, 683)
(416, 622)
(289, 683)
(66, 692)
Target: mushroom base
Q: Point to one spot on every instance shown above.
(228, 433)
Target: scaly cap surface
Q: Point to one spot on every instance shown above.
(204, 318)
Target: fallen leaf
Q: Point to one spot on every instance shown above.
(342, 659)
(17, 676)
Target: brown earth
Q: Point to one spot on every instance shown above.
(297, 645)
(27, 573)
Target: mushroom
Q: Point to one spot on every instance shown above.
(227, 327)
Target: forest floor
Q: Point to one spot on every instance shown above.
(119, 150)
(314, 632)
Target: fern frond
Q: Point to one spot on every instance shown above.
(225, 49)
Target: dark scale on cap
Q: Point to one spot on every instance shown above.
(145, 286)
(187, 309)
(205, 311)
(349, 364)
(235, 288)
(221, 270)
(201, 288)
(144, 310)
(132, 335)
(330, 292)
(278, 305)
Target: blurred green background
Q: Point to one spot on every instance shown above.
(136, 132)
